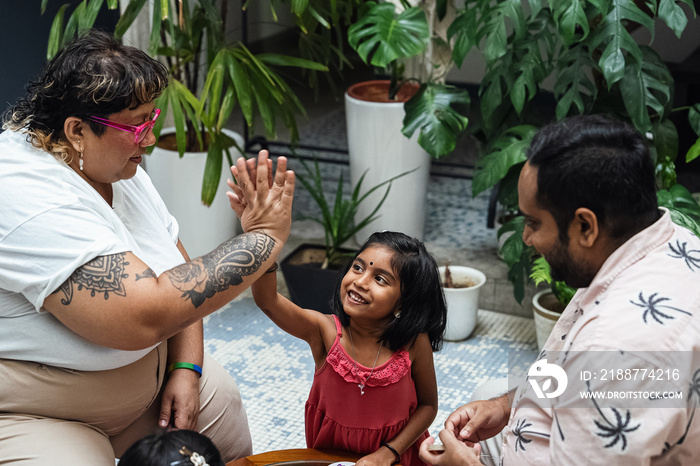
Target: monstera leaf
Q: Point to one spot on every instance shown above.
(381, 36)
(431, 112)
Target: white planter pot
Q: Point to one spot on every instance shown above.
(462, 303)
(179, 182)
(377, 146)
(545, 319)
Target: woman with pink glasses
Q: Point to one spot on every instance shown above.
(100, 306)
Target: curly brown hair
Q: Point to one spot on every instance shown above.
(92, 75)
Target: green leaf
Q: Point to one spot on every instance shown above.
(679, 198)
(432, 112)
(517, 256)
(693, 152)
(92, 8)
(506, 151)
(684, 220)
(212, 169)
(127, 18)
(574, 89)
(286, 60)
(672, 14)
(694, 118)
(647, 89)
(613, 35)
(462, 34)
(56, 33)
(569, 17)
(380, 36)
(666, 140)
(541, 272)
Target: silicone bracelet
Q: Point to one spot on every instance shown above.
(272, 268)
(185, 365)
(393, 450)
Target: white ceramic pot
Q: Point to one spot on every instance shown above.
(377, 146)
(179, 182)
(545, 319)
(462, 303)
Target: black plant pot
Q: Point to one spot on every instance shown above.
(310, 286)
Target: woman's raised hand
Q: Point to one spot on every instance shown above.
(263, 199)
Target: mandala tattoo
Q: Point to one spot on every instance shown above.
(223, 267)
(104, 274)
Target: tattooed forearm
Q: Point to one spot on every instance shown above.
(148, 273)
(223, 267)
(103, 274)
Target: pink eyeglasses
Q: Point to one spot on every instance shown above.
(140, 131)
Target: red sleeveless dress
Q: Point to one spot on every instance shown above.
(338, 416)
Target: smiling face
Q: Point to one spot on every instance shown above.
(371, 289)
(114, 155)
(568, 263)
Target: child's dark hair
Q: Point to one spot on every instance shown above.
(174, 448)
(422, 302)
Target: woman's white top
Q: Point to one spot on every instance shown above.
(51, 223)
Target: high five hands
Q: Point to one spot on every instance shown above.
(262, 198)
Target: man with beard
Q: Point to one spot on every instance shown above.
(588, 195)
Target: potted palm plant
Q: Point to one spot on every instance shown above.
(399, 123)
(311, 271)
(210, 77)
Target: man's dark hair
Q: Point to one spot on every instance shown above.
(599, 163)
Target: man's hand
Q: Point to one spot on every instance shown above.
(456, 453)
(263, 202)
(479, 420)
(179, 407)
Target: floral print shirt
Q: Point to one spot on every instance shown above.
(643, 308)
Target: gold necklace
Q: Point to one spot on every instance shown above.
(362, 384)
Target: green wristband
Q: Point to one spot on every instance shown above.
(185, 365)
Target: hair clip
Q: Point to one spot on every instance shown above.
(195, 458)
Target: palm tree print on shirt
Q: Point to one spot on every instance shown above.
(618, 430)
(521, 435)
(652, 307)
(680, 251)
(694, 395)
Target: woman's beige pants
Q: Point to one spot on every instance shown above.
(55, 416)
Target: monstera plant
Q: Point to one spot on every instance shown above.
(586, 49)
(409, 40)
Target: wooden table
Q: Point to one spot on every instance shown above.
(300, 454)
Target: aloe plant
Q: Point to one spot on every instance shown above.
(190, 37)
(337, 219)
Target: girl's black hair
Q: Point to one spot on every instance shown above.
(163, 449)
(422, 302)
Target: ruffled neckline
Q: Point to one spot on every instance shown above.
(390, 372)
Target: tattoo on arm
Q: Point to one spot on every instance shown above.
(148, 273)
(225, 266)
(103, 274)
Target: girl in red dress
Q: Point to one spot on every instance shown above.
(374, 390)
